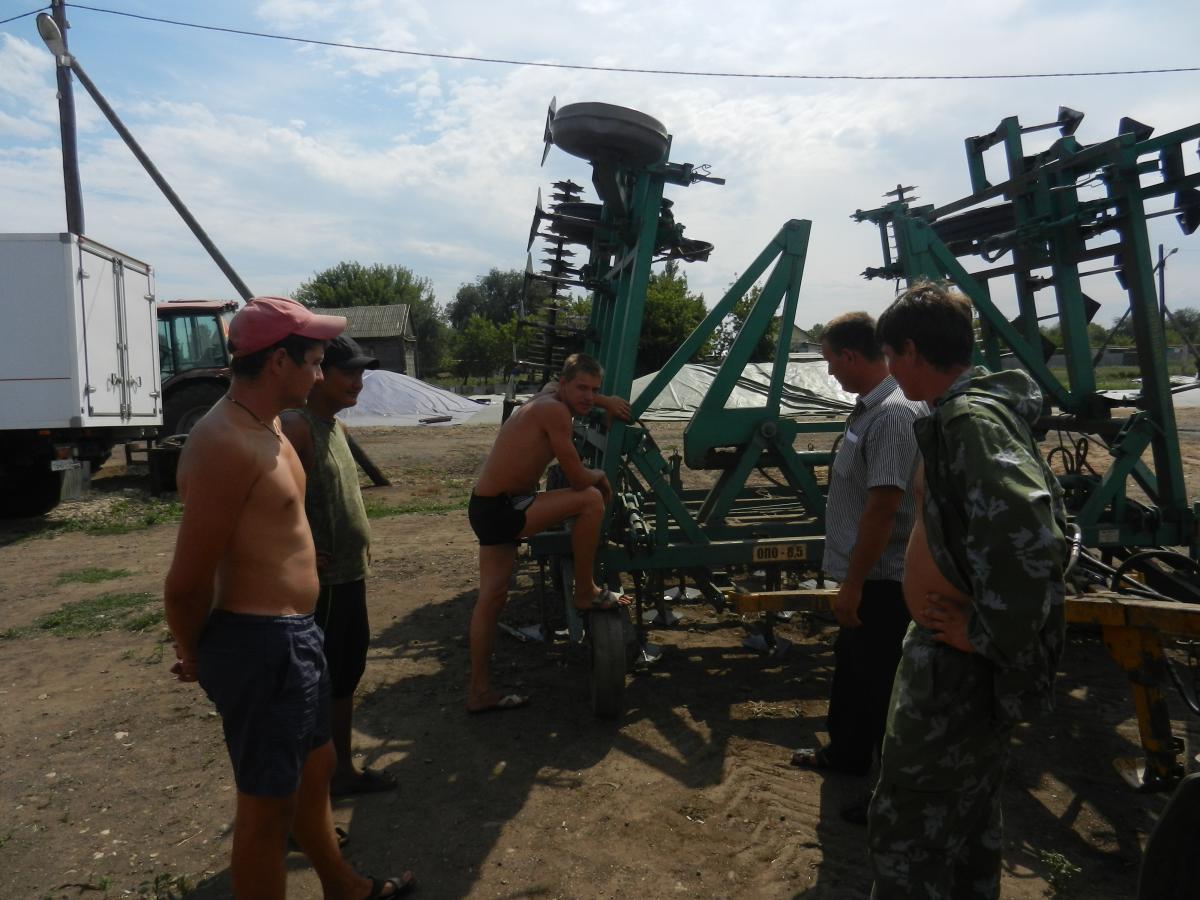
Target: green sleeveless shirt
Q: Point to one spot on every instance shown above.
(334, 504)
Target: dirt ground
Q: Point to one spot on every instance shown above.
(115, 780)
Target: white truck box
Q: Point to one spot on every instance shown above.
(78, 335)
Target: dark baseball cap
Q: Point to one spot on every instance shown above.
(343, 351)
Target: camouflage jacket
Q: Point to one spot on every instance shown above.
(995, 521)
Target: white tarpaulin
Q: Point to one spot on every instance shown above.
(808, 390)
(390, 398)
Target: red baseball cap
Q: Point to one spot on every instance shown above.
(264, 321)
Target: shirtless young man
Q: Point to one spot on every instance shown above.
(505, 507)
(983, 581)
(239, 600)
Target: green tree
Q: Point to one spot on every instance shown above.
(731, 326)
(483, 348)
(496, 296)
(1123, 333)
(1096, 334)
(1184, 323)
(672, 313)
(353, 284)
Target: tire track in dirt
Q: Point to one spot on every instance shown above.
(791, 836)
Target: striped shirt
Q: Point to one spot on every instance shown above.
(877, 449)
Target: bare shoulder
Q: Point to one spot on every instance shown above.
(295, 426)
(549, 410)
(218, 452)
(293, 418)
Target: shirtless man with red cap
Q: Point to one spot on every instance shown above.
(239, 601)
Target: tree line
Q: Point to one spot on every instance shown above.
(473, 335)
(1181, 326)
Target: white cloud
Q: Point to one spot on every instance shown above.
(24, 128)
(295, 158)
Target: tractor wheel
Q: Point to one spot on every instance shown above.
(27, 491)
(606, 634)
(187, 405)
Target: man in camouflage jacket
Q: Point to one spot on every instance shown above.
(984, 584)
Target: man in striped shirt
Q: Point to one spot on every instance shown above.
(868, 517)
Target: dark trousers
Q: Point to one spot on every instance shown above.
(865, 666)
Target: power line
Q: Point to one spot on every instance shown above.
(621, 69)
(22, 15)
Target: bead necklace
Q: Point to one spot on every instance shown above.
(255, 416)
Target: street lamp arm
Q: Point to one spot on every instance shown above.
(52, 35)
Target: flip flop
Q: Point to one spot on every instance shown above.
(504, 704)
(402, 885)
(369, 782)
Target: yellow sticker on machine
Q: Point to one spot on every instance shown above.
(769, 553)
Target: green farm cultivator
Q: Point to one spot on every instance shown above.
(656, 525)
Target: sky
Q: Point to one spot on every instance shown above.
(296, 157)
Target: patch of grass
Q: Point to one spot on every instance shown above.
(1125, 378)
(382, 510)
(146, 620)
(125, 516)
(101, 886)
(91, 575)
(1062, 871)
(85, 618)
(165, 887)
(761, 709)
(1117, 378)
(155, 656)
(118, 517)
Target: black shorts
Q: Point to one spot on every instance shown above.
(342, 617)
(498, 520)
(267, 677)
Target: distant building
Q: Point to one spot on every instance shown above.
(802, 342)
(385, 332)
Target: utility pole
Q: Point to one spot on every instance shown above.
(1162, 278)
(52, 36)
(66, 120)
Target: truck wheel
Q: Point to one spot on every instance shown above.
(186, 406)
(29, 491)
